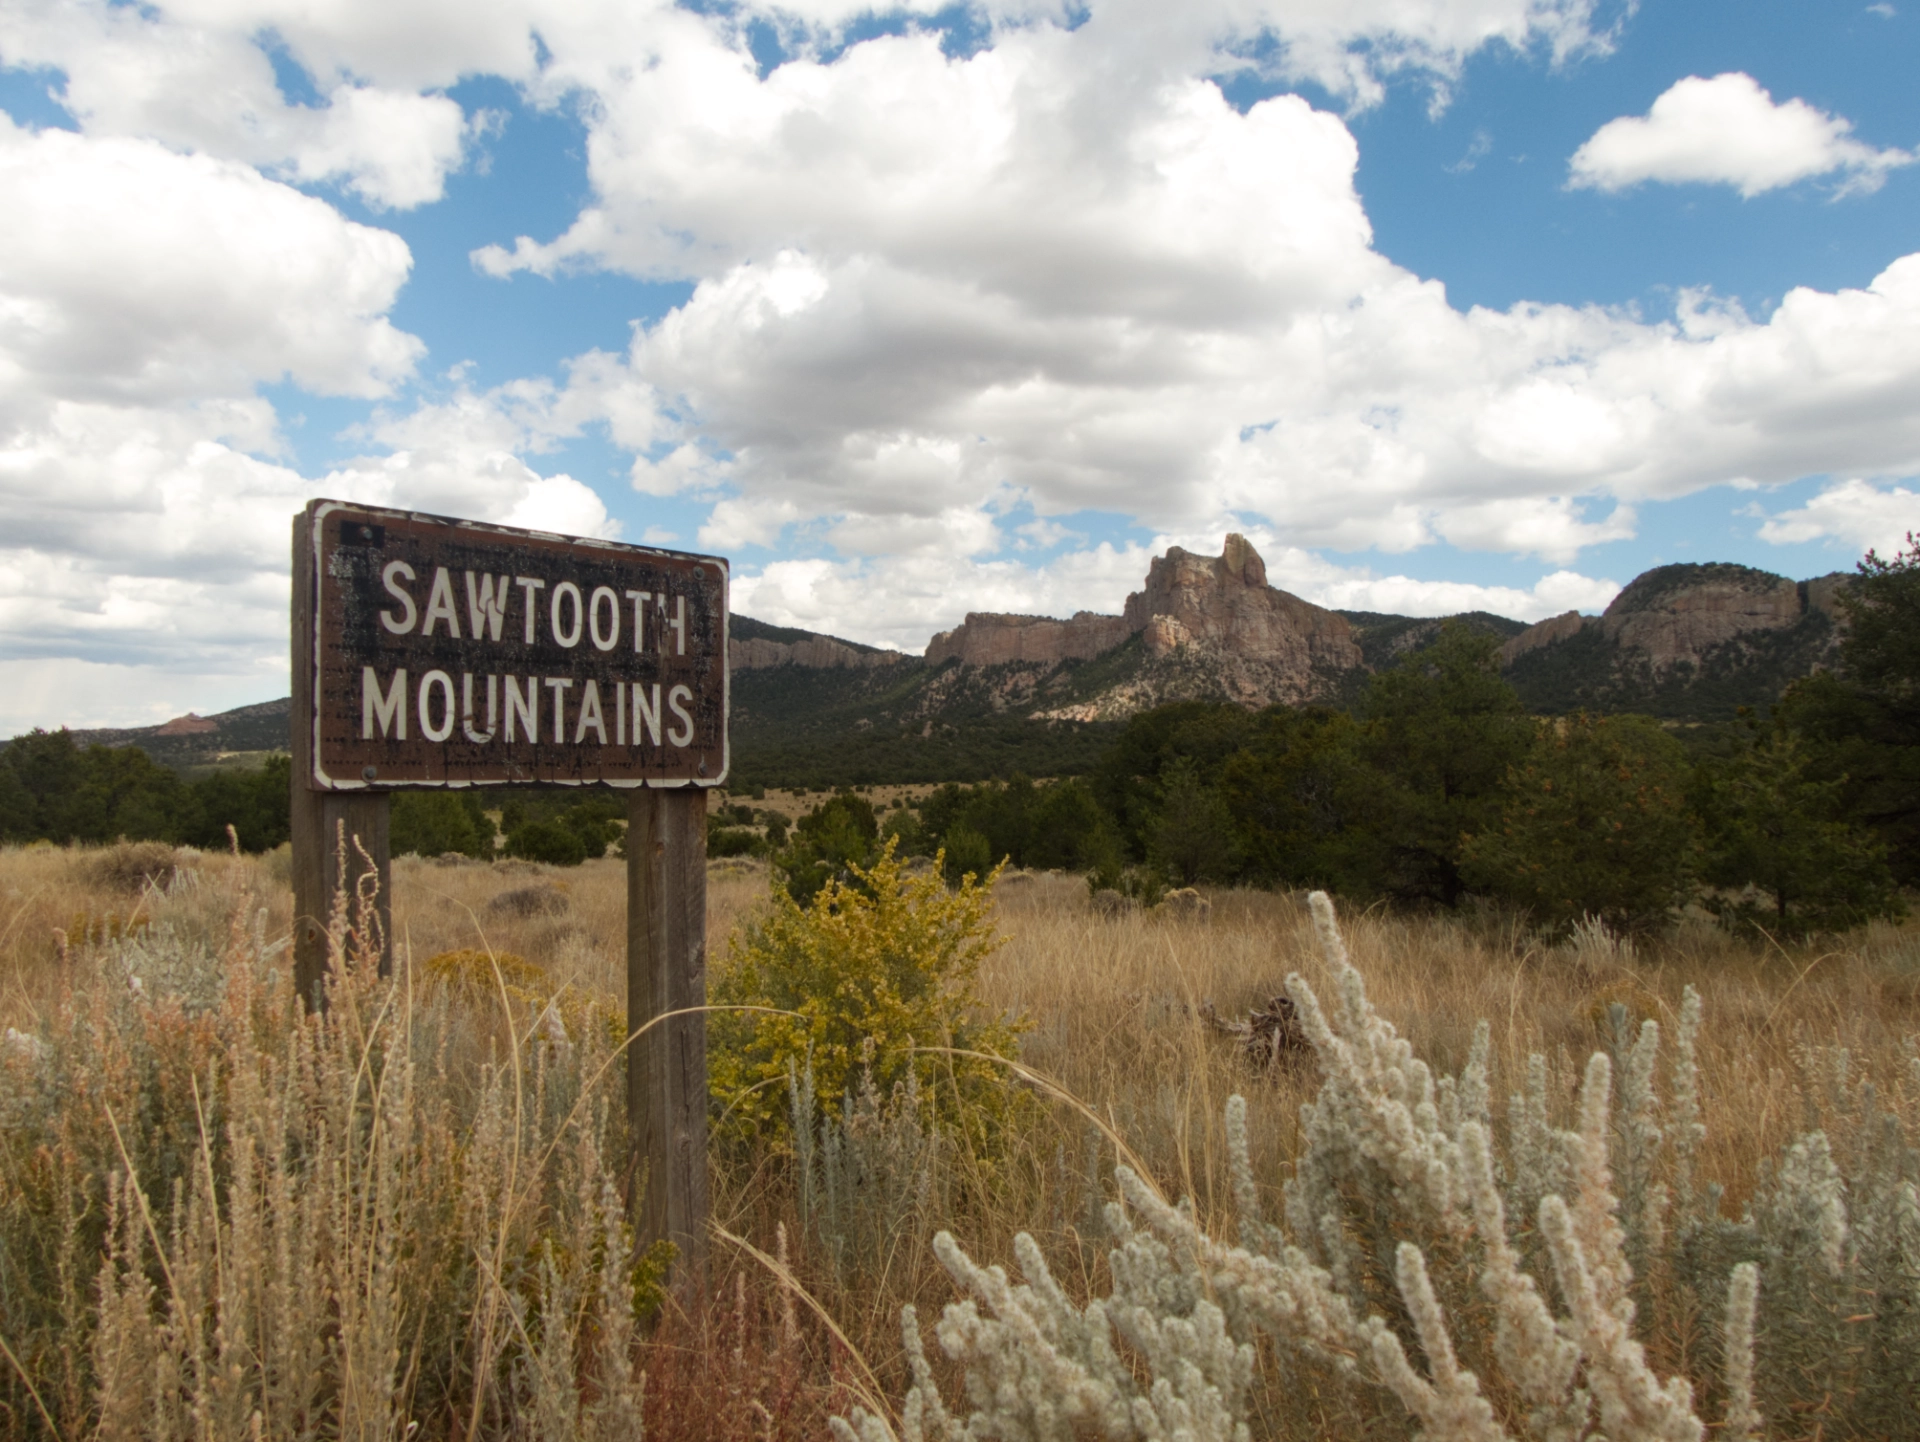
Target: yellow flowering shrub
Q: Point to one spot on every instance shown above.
(878, 975)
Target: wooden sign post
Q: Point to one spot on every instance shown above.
(431, 653)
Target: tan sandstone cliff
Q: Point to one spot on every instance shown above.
(1208, 624)
(1675, 615)
(1224, 602)
(751, 653)
(987, 638)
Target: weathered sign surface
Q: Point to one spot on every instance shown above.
(451, 652)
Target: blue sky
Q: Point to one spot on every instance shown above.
(1480, 303)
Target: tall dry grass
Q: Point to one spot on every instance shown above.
(1115, 999)
(1115, 1007)
(222, 1217)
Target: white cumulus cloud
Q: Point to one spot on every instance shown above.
(930, 293)
(1729, 131)
(1853, 513)
(204, 82)
(462, 457)
(131, 273)
(929, 288)
(144, 295)
(928, 285)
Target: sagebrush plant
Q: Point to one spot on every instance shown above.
(866, 1178)
(877, 977)
(221, 1217)
(1427, 1281)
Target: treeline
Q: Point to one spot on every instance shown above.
(52, 789)
(1439, 788)
(973, 750)
(1435, 789)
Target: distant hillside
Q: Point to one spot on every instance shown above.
(1002, 693)
(1683, 642)
(745, 628)
(1384, 639)
(245, 735)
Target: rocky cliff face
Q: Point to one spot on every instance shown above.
(748, 653)
(1679, 615)
(1212, 611)
(1822, 594)
(1675, 615)
(987, 638)
(1683, 640)
(1224, 603)
(1543, 633)
(1208, 625)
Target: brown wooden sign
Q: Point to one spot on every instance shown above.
(433, 652)
(450, 652)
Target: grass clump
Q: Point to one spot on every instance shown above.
(872, 980)
(133, 866)
(559, 1013)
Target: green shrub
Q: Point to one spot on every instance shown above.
(1128, 782)
(733, 841)
(547, 841)
(255, 803)
(1777, 840)
(1443, 730)
(1192, 837)
(831, 842)
(589, 821)
(909, 835)
(967, 854)
(866, 978)
(1298, 796)
(431, 823)
(777, 828)
(592, 818)
(1069, 829)
(1862, 722)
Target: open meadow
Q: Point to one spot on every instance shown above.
(406, 1220)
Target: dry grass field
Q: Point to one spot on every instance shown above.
(1114, 1012)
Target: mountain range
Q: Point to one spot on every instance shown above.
(1686, 642)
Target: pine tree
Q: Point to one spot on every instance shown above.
(1593, 823)
(1862, 724)
(1777, 839)
(1443, 729)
